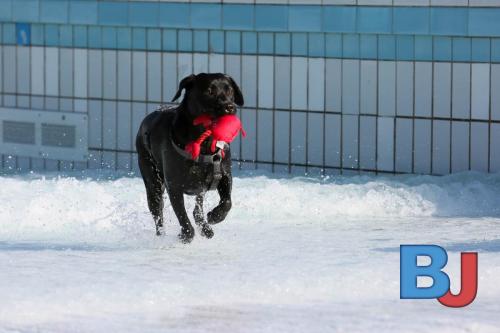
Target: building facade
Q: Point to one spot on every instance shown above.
(331, 86)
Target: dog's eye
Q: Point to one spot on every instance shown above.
(228, 89)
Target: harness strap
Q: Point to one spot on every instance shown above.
(202, 158)
(214, 159)
(217, 170)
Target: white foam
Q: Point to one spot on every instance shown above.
(295, 254)
(78, 207)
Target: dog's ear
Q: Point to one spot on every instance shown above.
(186, 83)
(238, 96)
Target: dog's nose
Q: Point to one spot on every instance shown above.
(229, 109)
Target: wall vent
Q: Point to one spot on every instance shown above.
(47, 134)
(58, 135)
(18, 132)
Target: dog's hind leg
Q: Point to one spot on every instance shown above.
(155, 204)
(199, 217)
(176, 197)
(219, 213)
(154, 188)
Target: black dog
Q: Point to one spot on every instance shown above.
(164, 164)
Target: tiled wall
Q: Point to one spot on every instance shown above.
(382, 86)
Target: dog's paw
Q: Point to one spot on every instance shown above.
(214, 217)
(219, 213)
(160, 231)
(186, 235)
(207, 231)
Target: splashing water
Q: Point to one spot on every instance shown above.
(78, 253)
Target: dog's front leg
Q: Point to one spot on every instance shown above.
(219, 213)
(199, 217)
(177, 201)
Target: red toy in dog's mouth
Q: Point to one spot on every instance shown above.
(224, 128)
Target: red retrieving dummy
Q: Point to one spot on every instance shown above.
(224, 128)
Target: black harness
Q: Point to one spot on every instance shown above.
(215, 160)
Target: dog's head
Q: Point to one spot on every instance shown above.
(213, 94)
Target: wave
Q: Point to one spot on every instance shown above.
(76, 206)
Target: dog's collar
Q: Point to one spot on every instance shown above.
(202, 158)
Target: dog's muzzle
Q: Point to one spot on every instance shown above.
(229, 109)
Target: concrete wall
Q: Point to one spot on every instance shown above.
(333, 86)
